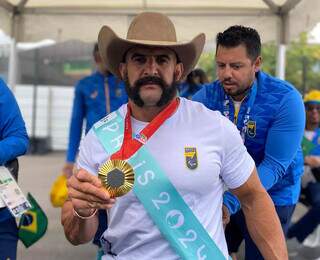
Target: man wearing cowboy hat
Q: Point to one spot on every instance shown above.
(162, 147)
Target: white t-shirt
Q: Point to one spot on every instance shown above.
(222, 159)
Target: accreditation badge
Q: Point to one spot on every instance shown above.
(117, 176)
(11, 195)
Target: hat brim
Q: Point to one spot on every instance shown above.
(113, 48)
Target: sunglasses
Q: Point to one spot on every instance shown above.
(311, 108)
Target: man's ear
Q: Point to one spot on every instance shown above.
(257, 64)
(178, 72)
(123, 70)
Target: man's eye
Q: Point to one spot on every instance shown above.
(140, 60)
(220, 66)
(162, 59)
(236, 66)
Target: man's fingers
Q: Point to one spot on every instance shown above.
(88, 189)
(83, 176)
(75, 194)
(81, 204)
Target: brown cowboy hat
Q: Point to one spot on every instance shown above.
(148, 29)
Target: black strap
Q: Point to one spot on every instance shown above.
(13, 167)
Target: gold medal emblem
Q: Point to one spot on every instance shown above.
(117, 177)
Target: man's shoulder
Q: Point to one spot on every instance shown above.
(3, 86)
(276, 89)
(272, 84)
(5, 92)
(209, 93)
(87, 80)
(198, 110)
(117, 114)
(213, 86)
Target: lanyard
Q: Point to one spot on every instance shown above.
(131, 145)
(242, 125)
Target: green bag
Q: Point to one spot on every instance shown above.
(33, 223)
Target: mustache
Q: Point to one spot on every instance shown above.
(228, 81)
(150, 80)
(168, 91)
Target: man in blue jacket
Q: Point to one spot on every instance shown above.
(13, 143)
(269, 114)
(95, 96)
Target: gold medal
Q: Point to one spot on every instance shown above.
(117, 177)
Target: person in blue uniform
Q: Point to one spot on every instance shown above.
(269, 114)
(13, 143)
(193, 83)
(311, 179)
(95, 96)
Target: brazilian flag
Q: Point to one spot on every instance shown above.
(33, 223)
(307, 146)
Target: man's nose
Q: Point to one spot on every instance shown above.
(151, 67)
(227, 72)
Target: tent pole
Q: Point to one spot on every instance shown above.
(282, 46)
(12, 68)
(281, 61)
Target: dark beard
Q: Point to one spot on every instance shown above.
(168, 92)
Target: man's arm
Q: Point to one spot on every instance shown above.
(283, 140)
(282, 143)
(78, 231)
(261, 218)
(85, 196)
(13, 134)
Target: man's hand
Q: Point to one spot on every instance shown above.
(312, 161)
(225, 216)
(87, 194)
(68, 169)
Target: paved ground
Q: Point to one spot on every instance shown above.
(36, 176)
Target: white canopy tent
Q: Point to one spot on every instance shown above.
(60, 20)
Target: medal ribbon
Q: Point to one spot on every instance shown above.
(131, 145)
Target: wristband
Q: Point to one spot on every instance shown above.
(75, 213)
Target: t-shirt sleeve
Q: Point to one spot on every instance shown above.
(91, 154)
(237, 164)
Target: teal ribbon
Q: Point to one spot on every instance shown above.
(159, 197)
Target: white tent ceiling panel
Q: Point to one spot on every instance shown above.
(147, 3)
(68, 27)
(62, 20)
(5, 21)
(69, 19)
(304, 17)
(187, 28)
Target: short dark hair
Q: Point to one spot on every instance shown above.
(240, 35)
(197, 73)
(95, 49)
